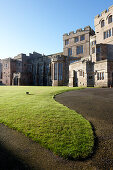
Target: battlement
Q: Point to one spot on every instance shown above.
(104, 12)
(110, 8)
(87, 28)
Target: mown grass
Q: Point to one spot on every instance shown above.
(47, 122)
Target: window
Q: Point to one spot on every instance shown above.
(103, 76)
(107, 34)
(100, 76)
(98, 50)
(55, 71)
(76, 39)
(79, 50)
(66, 42)
(93, 50)
(93, 43)
(80, 73)
(109, 19)
(69, 51)
(60, 70)
(83, 74)
(102, 23)
(97, 76)
(82, 37)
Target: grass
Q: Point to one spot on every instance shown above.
(47, 122)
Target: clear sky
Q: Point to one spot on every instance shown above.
(38, 25)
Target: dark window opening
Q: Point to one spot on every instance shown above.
(69, 51)
(110, 19)
(60, 70)
(66, 42)
(76, 39)
(102, 23)
(55, 71)
(82, 37)
(79, 50)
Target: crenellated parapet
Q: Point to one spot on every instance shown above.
(80, 30)
(103, 13)
(56, 58)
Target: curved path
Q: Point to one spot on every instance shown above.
(96, 105)
(18, 152)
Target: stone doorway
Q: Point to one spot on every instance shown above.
(16, 81)
(75, 82)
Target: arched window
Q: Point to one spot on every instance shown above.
(109, 19)
(102, 23)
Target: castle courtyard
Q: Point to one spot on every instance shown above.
(95, 105)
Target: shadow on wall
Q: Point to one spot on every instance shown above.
(104, 51)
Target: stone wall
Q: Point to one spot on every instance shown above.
(6, 71)
(100, 30)
(101, 67)
(27, 70)
(81, 73)
(86, 32)
(110, 73)
(0, 70)
(59, 70)
(93, 48)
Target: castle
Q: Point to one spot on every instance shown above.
(86, 60)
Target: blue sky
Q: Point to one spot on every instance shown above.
(38, 25)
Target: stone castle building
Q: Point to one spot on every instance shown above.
(26, 70)
(86, 60)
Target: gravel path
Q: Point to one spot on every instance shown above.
(17, 152)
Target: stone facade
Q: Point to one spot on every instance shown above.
(0, 72)
(101, 55)
(82, 74)
(77, 44)
(26, 70)
(86, 60)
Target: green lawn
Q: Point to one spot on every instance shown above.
(51, 124)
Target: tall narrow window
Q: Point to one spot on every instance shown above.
(69, 51)
(110, 33)
(60, 70)
(102, 23)
(103, 76)
(83, 73)
(76, 39)
(110, 19)
(97, 76)
(100, 76)
(82, 37)
(55, 71)
(79, 50)
(107, 34)
(66, 42)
